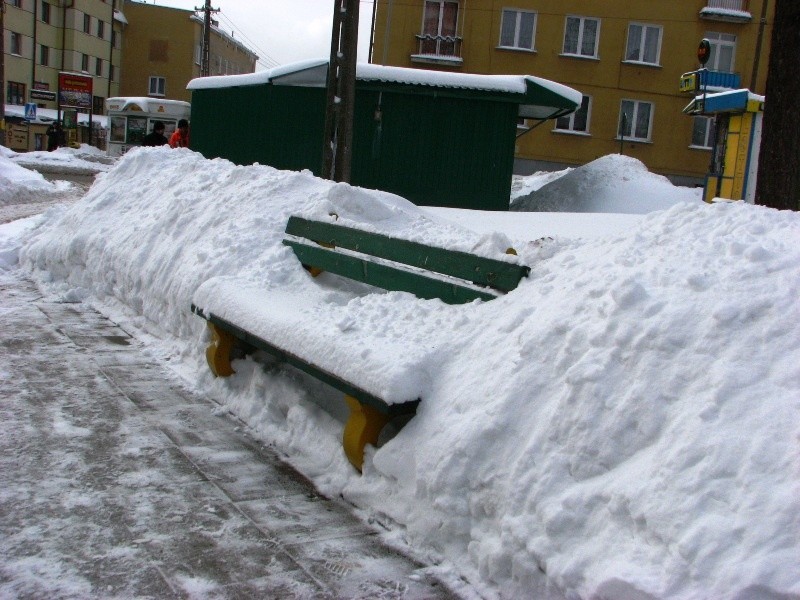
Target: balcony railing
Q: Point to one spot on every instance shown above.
(728, 4)
(734, 11)
(442, 49)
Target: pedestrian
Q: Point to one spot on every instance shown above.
(180, 137)
(55, 136)
(155, 137)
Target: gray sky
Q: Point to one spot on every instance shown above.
(282, 31)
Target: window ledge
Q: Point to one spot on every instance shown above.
(580, 56)
(640, 63)
(572, 132)
(516, 49)
(437, 59)
(706, 148)
(633, 140)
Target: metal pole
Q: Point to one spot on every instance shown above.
(759, 40)
(205, 62)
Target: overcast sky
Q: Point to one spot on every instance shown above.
(282, 31)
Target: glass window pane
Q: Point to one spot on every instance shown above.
(431, 25)
(571, 36)
(508, 27)
(643, 120)
(651, 45)
(634, 42)
(626, 118)
(725, 59)
(589, 37)
(449, 18)
(527, 21)
(699, 127)
(581, 116)
(563, 122)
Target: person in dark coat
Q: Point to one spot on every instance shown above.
(55, 136)
(155, 137)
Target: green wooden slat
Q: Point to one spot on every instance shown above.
(326, 377)
(385, 276)
(482, 271)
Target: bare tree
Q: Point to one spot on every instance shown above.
(778, 183)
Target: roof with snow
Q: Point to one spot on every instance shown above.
(538, 98)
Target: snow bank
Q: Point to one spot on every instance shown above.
(19, 185)
(612, 183)
(625, 424)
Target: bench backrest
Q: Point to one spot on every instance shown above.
(402, 265)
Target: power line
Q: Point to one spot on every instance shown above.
(268, 60)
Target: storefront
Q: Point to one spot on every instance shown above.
(130, 119)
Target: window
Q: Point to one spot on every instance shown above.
(439, 28)
(635, 120)
(45, 12)
(98, 67)
(723, 51)
(44, 56)
(100, 29)
(157, 86)
(517, 29)
(703, 132)
(644, 44)
(15, 93)
(85, 62)
(198, 53)
(113, 37)
(98, 105)
(87, 23)
(111, 74)
(16, 43)
(17, 3)
(581, 36)
(577, 121)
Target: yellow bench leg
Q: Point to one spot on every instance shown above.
(218, 353)
(362, 428)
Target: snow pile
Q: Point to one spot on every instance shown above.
(86, 160)
(612, 183)
(522, 185)
(625, 424)
(19, 185)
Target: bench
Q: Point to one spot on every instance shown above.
(391, 264)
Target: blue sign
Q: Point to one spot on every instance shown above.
(30, 111)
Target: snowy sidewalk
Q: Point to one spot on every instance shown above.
(115, 483)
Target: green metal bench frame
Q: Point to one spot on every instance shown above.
(389, 263)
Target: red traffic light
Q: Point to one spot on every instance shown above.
(704, 51)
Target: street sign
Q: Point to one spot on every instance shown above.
(30, 111)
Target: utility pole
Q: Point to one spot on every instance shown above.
(2, 75)
(205, 63)
(337, 152)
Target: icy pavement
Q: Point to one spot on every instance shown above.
(116, 483)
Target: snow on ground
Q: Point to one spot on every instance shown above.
(19, 185)
(625, 424)
(610, 184)
(85, 160)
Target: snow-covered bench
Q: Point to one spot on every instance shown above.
(379, 382)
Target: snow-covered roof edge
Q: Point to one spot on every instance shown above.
(514, 84)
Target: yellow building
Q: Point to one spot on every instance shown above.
(625, 57)
(163, 50)
(44, 37)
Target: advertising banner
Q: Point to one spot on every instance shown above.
(75, 90)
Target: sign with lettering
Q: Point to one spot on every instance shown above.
(75, 90)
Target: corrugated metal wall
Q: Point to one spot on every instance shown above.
(432, 149)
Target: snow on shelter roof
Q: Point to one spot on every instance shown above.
(539, 98)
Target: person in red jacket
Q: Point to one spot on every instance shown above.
(180, 137)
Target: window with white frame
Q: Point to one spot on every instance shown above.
(644, 44)
(440, 20)
(16, 43)
(723, 51)
(517, 29)
(581, 36)
(157, 86)
(635, 120)
(577, 121)
(703, 132)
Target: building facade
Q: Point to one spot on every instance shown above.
(163, 51)
(625, 57)
(44, 37)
